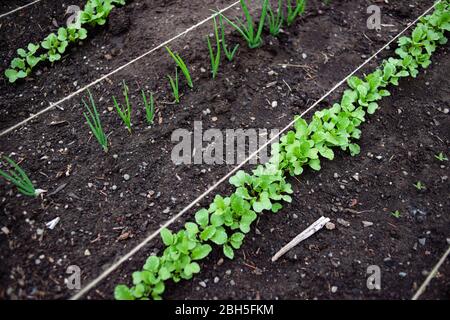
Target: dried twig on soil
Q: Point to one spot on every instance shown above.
(431, 275)
(316, 226)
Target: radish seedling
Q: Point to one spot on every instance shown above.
(294, 12)
(179, 61)
(124, 112)
(249, 32)
(396, 214)
(215, 58)
(94, 123)
(275, 20)
(149, 108)
(73, 34)
(174, 86)
(55, 44)
(228, 53)
(441, 157)
(419, 186)
(19, 178)
(95, 12)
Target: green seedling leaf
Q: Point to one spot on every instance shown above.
(202, 217)
(167, 237)
(122, 292)
(236, 240)
(220, 236)
(192, 268)
(228, 252)
(191, 229)
(208, 233)
(201, 251)
(152, 264)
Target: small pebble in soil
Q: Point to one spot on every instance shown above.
(216, 279)
(126, 177)
(274, 104)
(367, 224)
(304, 55)
(220, 262)
(202, 284)
(422, 241)
(228, 272)
(334, 289)
(232, 282)
(343, 222)
(330, 226)
(294, 216)
(336, 175)
(402, 274)
(87, 252)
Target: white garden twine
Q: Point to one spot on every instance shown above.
(18, 9)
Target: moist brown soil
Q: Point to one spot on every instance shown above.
(103, 216)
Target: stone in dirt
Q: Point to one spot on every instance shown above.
(367, 224)
(330, 226)
(343, 222)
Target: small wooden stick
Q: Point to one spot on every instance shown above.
(316, 226)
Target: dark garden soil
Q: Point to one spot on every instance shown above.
(104, 215)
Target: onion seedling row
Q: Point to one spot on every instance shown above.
(94, 123)
(125, 111)
(251, 33)
(215, 58)
(294, 11)
(228, 53)
(275, 20)
(19, 178)
(149, 108)
(180, 63)
(174, 85)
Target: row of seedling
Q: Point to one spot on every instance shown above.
(251, 33)
(228, 219)
(92, 115)
(285, 14)
(52, 48)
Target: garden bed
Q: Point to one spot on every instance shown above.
(99, 223)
